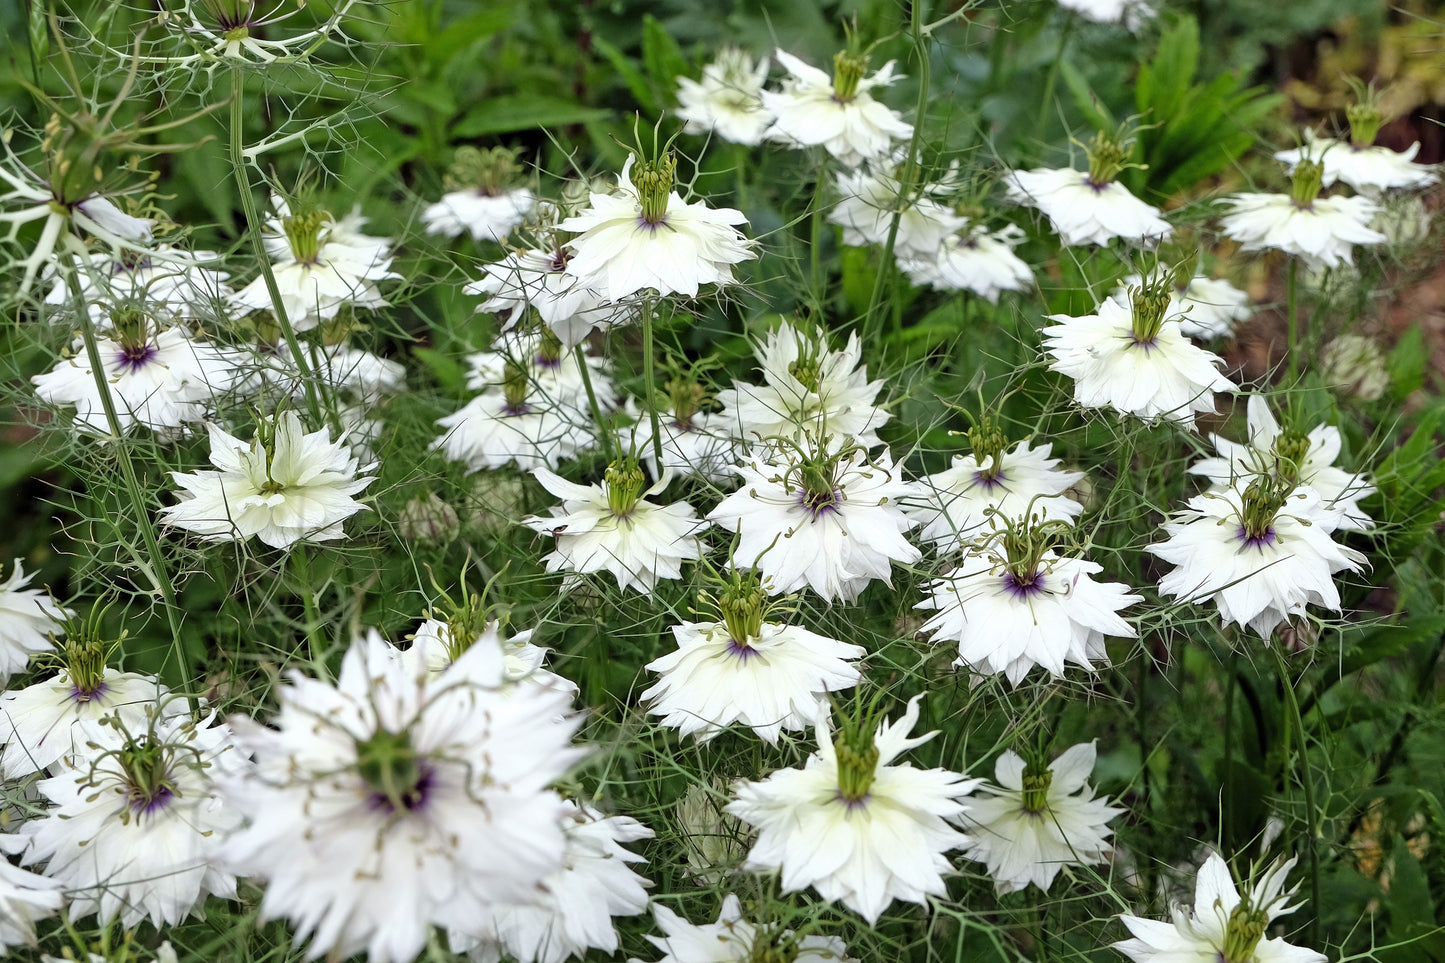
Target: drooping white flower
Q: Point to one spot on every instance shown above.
(396, 800)
(436, 644)
(728, 101)
(283, 486)
(644, 236)
(1135, 359)
(1222, 924)
(159, 378)
(837, 112)
(611, 527)
(1206, 308)
(1321, 231)
(697, 444)
(830, 521)
(742, 669)
(975, 259)
(25, 897)
(543, 280)
(579, 900)
(1262, 555)
(733, 939)
(244, 32)
(806, 387)
(1304, 459)
(47, 721)
(357, 373)
(28, 619)
(321, 264)
(853, 825)
(1355, 365)
(164, 280)
(1362, 166)
(1038, 820)
(135, 831)
(980, 491)
(481, 199)
(1131, 13)
(1090, 207)
(870, 198)
(1014, 603)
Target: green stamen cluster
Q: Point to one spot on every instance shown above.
(1037, 780)
(654, 181)
(1365, 120)
(1309, 178)
(232, 16)
(132, 327)
(1025, 543)
(391, 768)
(85, 665)
(265, 440)
(515, 385)
(147, 767)
(1149, 303)
(303, 234)
(743, 605)
(770, 946)
(73, 147)
(1181, 275)
(623, 483)
(1243, 932)
(857, 763)
(549, 352)
(848, 71)
(465, 624)
(1290, 449)
(1107, 157)
(1260, 506)
(988, 442)
(686, 396)
(487, 171)
(338, 330)
(819, 489)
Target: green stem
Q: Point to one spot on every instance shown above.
(649, 377)
(1297, 725)
(602, 432)
(1066, 33)
(258, 244)
(815, 249)
(160, 573)
(1227, 809)
(1292, 312)
(315, 645)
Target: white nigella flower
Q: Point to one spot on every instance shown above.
(1038, 820)
(1296, 457)
(579, 900)
(611, 527)
(1134, 358)
(1321, 231)
(854, 826)
(830, 520)
(552, 371)
(644, 236)
(1090, 207)
(1222, 924)
(743, 669)
(135, 831)
(479, 199)
(48, 721)
(1357, 162)
(162, 279)
(733, 939)
(961, 502)
(243, 31)
(696, 444)
(284, 486)
(838, 112)
(542, 280)
(439, 642)
(395, 801)
(358, 373)
(975, 259)
(1206, 308)
(28, 619)
(159, 378)
(806, 387)
(1014, 604)
(24, 898)
(1262, 554)
(1131, 13)
(1355, 365)
(321, 264)
(870, 198)
(729, 100)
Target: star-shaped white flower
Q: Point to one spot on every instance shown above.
(869, 199)
(284, 486)
(733, 939)
(1372, 168)
(975, 259)
(860, 831)
(28, 619)
(543, 280)
(1082, 211)
(837, 112)
(25, 897)
(1037, 821)
(1220, 921)
(728, 101)
(1207, 308)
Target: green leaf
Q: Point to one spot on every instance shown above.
(1407, 363)
(1094, 111)
(501, 115)
(664, 58)
(443, 46)
(636, 81)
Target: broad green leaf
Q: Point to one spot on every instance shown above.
(501, 115)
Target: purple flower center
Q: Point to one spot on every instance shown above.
(740, 651)
(643, 224)
(77, 694)
(990, 479)
(1024, 586)
(145, 803)
(1097, 188)
(410, 800)
(135, 357)
(516, 411)
(1267, 537)
(820, 503)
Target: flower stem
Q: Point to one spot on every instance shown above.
(649, 377)
(253, 231)
(1051, 82)
(159, 572)
(602, 432)
(314, 643)
(1292, 312)
(1296, 723)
